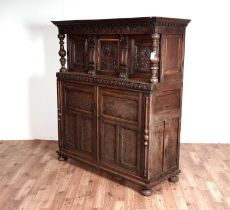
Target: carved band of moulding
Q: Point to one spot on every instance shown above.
(91, 54)
(111, 28)
(62, 52)
(146, 136)
(154, 58)
(142, 27)
(100, 81)
(123, 57)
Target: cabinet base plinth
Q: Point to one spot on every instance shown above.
(174, 179)
(62, 157)
(146, 191)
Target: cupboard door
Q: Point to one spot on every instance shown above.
(119, 130)
(79, 120)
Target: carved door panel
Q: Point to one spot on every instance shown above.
(119, 130)
(77, 53)
(141, 50)
(79, 120)
(112, 55)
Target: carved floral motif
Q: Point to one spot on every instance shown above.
(109, 56)
(142, 61)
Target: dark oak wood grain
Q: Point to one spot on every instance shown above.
(119, 97)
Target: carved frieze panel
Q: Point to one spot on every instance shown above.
(103, 81)
(142, 58)
(108, 55)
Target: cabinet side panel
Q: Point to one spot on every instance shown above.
(156, 149)
(171, 143)
(171, 57)
(165, 130)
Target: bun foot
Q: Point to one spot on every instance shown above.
(146, 192)
(62, 157)
(174, 179)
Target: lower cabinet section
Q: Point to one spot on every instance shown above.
(121, 132)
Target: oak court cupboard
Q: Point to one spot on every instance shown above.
(119, 96)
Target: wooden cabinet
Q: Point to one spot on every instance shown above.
(119, 96)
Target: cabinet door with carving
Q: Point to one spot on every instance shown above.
(119, 138)
(79, 121)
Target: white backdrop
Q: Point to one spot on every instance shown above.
(29, 60)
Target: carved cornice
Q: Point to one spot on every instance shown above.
(118, 26)
(129, 84)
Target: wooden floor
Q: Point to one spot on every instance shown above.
(32, 178)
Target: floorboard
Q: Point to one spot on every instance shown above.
(32, 178)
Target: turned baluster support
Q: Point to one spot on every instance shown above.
(154, 59)
(62, 52)
(174, 179)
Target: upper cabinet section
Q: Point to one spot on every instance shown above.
(148, 49)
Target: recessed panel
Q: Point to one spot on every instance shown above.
(173, 53)
(79, 53)
(167, 101)
(128, 147)
(70, 128)
(108, 55)
(86, 134)
(108, 141)
(81, 100)
(171, 141)
(123, 108)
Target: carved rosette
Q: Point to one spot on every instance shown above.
(146, 136)
(142, 55)
(123, 57)
(91, 55)
(62, 52)
(154, 58)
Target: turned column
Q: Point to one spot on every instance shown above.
(154, 59)
(62, 52)
(146, 190)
